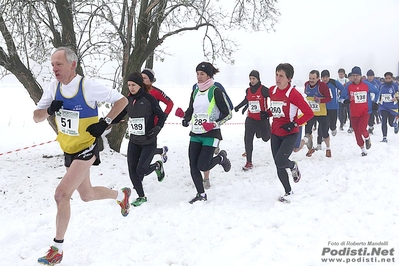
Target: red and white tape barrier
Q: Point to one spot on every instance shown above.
(28, 147)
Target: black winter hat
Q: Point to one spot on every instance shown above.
(150, 74)
(255, 73)
(205, 67)
(136, 78)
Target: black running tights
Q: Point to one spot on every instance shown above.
(282, 147)
(139, 159)
(201, 159)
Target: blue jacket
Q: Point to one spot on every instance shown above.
(334, 87)
(376, 83)
(387, 92)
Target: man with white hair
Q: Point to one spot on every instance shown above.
(73, 99)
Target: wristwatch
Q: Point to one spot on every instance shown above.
(108, 120)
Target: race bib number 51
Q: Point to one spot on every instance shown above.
(68, 122)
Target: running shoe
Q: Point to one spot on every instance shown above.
(199, 197)
(310, 152)
(139, 201)
(296, 174)
(125, 206)
(225, 162)
(370, 130)
(368, 143)
(159, 171)
(52, 257)
(287, 197)
(164, 152)
(247, 166)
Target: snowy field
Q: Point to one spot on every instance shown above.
(346, 198)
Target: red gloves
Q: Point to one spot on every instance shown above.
(179, 112)
(208, 126)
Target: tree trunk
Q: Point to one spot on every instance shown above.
(116, 136)
(150, 62)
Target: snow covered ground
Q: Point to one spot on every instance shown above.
(346, 198)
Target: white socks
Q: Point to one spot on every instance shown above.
(59, 246)
(120, 196)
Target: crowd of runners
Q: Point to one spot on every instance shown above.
(285, 116)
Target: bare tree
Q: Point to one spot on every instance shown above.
(124, 35)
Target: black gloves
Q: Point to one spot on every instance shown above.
(289, 126)
(244, 109)
(153, 132)
(54, 107)
(265, 114)
(184, 123)
(97, 129)
(347, 101)
(375, 106)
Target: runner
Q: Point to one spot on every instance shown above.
(388, 107)
(285, 101)
(207, 111)
(333, 105)
(317, 95)
(142, 110)
(73, 99)
(358, 95)
(256, 122)
(374, 116)
(207, 182)
(148, 79)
